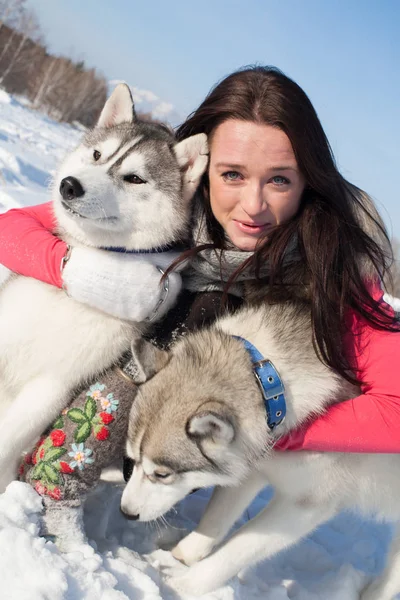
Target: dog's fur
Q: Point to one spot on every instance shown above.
(210, 430)
(49, 343)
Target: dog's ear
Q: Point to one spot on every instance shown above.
(213, 422)
(147, 360)
(119, 108)
(192, 156)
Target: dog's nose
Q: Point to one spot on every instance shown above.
(71, 188)
(130, 517)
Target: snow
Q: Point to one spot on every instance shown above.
(31, 146)
(122, 557)
(120, 562)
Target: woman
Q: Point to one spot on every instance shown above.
(272, 211)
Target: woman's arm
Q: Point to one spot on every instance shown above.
(370, 422)
(28, 246)
(126, 286)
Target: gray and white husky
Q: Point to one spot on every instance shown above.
(49, 343)
(211, 429)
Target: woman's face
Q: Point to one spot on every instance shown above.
(255, 182)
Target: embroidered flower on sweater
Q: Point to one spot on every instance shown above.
(81, 456)
(109, 404)
(95, 390)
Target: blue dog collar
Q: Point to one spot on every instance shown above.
(270, 383)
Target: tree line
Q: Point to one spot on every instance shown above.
(64, 89)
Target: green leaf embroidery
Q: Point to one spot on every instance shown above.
(82, 433)
(53, 454)
(59, 424)
(51, 474)
(37, 471)
(77, 415)
(90, 408)
(47, 444)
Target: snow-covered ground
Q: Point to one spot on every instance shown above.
(122, 558)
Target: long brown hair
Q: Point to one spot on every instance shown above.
(338, 233)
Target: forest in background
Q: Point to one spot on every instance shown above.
(64, 89)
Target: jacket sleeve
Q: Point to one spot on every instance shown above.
(28, 246)
(370, 422)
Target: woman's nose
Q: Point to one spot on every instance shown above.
(253, 201)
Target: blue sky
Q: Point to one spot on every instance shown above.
(344, 54)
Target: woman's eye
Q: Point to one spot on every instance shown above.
(96, 155)
(280, 180)
(133, 179)
(128, 467)
(231, 176)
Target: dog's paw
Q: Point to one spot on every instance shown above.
(184, 585)
(172, 571)
(192, 581)
(193, 548)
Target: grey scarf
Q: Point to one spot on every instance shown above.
(210, 269)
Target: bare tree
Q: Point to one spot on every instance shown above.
(10, 12)
(44, 81)
(28, 26)
(3, 53)
(66, 89)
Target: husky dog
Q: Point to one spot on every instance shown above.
(126, 187)
(216, 424)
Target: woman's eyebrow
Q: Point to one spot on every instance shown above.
(230, 165)
(239, 167)
(284, 168)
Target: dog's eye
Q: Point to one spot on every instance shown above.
(133, 179)
(128, 467)
(162, 475)
(96, 155)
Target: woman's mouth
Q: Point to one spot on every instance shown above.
(251, 228)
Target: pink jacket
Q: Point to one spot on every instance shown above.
(368, 423)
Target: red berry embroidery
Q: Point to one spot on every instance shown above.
(57, 437)
(102, 434)
(41, 453)
(55, 494)
(107, 418)
(28, 459)
(65, 467)
(40, 488)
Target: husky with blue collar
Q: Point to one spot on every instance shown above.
(126, 188)
(209, 415)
